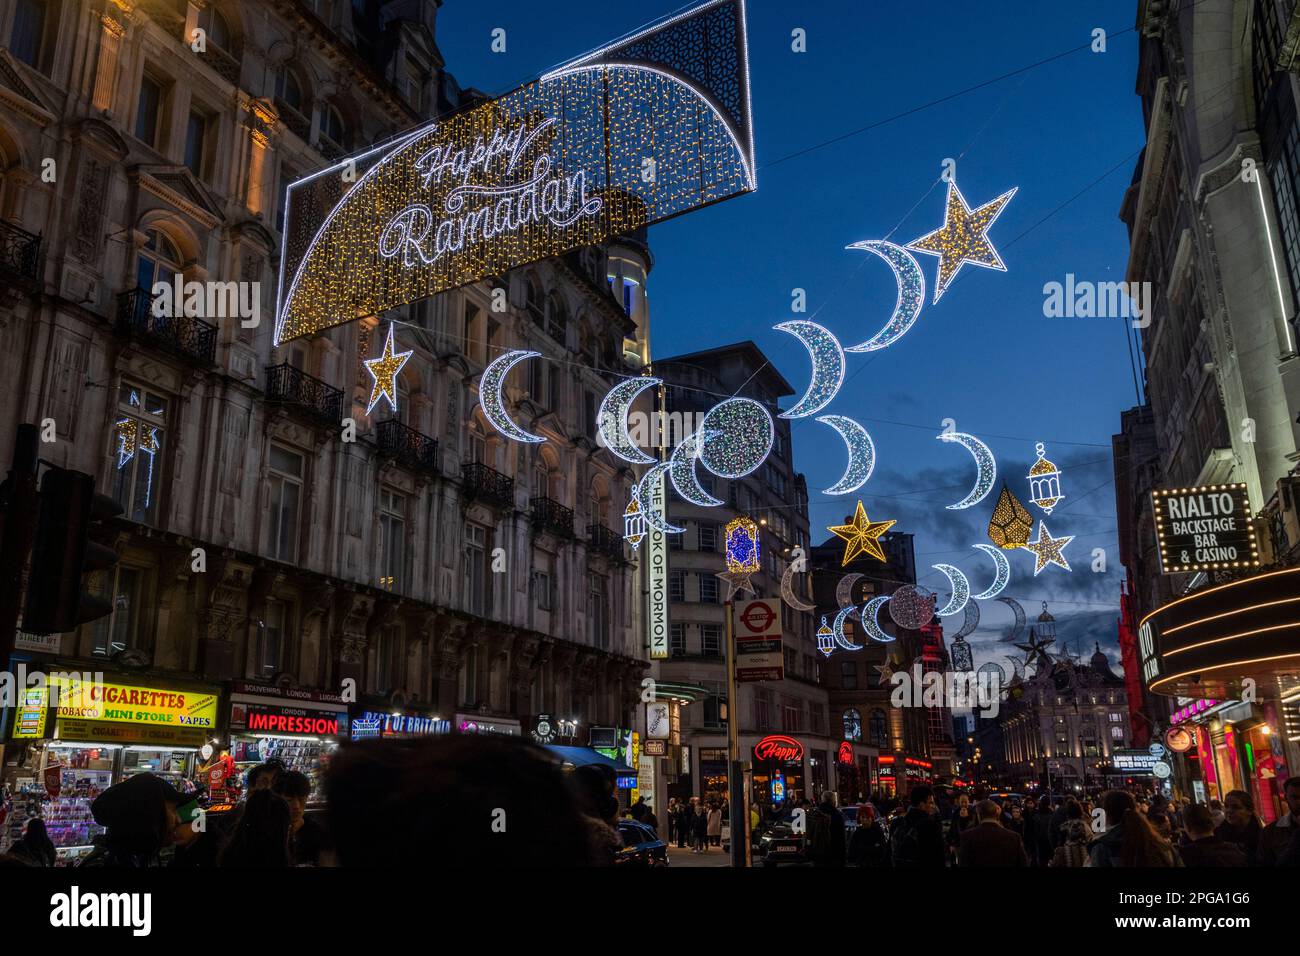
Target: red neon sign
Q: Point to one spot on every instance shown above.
(846, 752)
(778, 747)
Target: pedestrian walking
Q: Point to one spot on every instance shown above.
(700, 829)
(963, 818)
(34, 847)
(868, 846)
(1204, 847)
(715, 826)
(826, 844)
(916, 839)
(1039, 842)
(1073, 851)
(989, 843)
(1130, 839)
(1279, 844)
(261, 838)
(670, 815)
(1240, 825)
(139, 817)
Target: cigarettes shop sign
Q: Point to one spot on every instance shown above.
(1204, 529)
(648, 128)
(129, 704)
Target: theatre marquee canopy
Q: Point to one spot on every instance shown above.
(1206, 644)
(635, 133)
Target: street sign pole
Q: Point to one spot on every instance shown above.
(739, 813)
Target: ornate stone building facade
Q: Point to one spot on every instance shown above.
(442, 568)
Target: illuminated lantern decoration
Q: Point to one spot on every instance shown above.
(1044, 482)
(825, 638)
(963, 660)
(634, 525)
(1010, 525)
(742, 552)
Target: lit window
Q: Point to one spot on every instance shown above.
(137, 452)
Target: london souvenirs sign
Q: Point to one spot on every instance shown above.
(635, 133)
(1204, 529)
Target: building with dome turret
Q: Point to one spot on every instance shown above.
(1062, 721)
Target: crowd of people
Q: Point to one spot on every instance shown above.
(696, 823)
(1120, 829)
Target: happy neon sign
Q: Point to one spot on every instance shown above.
(778, 747)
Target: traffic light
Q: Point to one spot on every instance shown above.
(69, 512)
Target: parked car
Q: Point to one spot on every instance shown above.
(779, 845)
(642, 846)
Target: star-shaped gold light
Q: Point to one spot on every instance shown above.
(862, 536)
(736, 581)
(384, 371)
(1048, 550)
(963, 237)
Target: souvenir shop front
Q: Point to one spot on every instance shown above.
(300, 728)
(77, 736)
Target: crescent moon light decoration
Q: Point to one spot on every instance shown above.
(742, 437)
(837, 629)
(960, 589)
(911, 293)
(681, 469)
(646, 494)
(862, 454)
(1018, 667)
(827, 366)
(970, 622)
(844, 590)
(787, 592)
(869, 621)
(985, 463)
(490, 388)
(611, 420)
(1020, 616)
(1003, 575)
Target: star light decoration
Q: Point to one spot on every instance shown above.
(1044, 482)
(1036, 650)
(1011, 523)
(384, 371)
(1048, 550)
(863, 536)
(885, 670)
(963, 237)
(741, 555)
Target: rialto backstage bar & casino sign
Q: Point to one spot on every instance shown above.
(1204, 529)
(638, 132)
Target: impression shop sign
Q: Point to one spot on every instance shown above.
(1202, 645)
(630, 135)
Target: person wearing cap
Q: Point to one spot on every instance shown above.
(140, 817)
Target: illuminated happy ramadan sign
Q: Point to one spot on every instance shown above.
(630, 135)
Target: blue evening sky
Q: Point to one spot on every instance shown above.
(985, 355)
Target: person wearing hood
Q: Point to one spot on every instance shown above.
(35, 847)
(139, 816)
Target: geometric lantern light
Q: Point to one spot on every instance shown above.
(742, 545)
(1010, 525)
(1044, 483)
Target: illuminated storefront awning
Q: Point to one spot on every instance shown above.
(1206, 644)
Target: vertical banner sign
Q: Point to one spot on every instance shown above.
(759, 649)
(650, 127)
(657, 573)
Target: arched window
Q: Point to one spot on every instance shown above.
(331, 125)
(852, 725)
(533, 301)
(878, 729)
(158, 260)
(288, 90)
(557, 319)
(217, 29)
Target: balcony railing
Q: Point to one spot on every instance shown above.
(20, 254)
(185, 337)
(413, 449)
(291, 118)
(487, 484)
(225, 62)
(550, 515)
(294, 388)
(605, 540)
